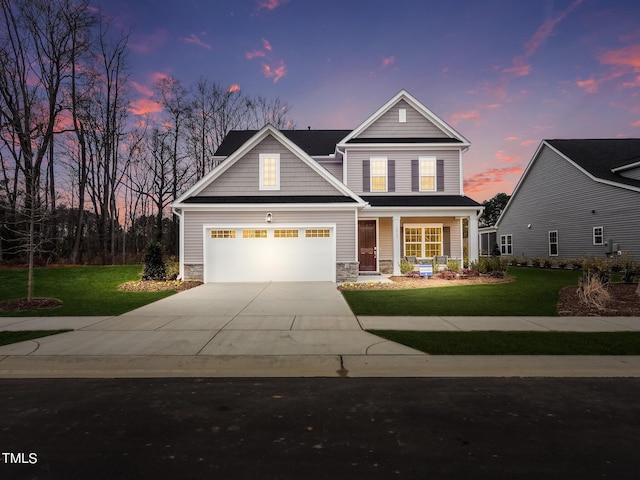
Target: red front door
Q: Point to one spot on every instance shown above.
(367, 249)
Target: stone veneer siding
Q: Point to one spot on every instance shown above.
(194, 272)
(386, 266)
(347, 271)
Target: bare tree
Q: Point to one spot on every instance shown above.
(35, 54)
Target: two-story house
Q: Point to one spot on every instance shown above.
(326, 205)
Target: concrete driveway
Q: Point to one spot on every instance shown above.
(258, 319)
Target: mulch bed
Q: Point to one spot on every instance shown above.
(21, 304)
(158, 286)
(404, 283)
(625, 302)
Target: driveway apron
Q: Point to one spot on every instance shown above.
(221, 319)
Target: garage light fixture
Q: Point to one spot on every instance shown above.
(268, 218)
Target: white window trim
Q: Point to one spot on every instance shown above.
(557, 243)
(601, 236)
(504, 246)
(435, 174)
(386, 174)
(423, 226)
(264, 156)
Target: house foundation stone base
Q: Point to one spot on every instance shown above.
(194, 272)
(347, 271)
(386, 266)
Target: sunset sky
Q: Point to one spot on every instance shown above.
(506, 74)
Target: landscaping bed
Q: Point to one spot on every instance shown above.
(404, 282)
(21, 304)
(624, 302)
(158, 286)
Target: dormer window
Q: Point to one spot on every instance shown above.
(269, 171)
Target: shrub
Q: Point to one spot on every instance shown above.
(405, 266)
(592, 291)
(154, 266)
(491, 264)
(546, 263)
(447, 275)
(453, 265)
(173, 270)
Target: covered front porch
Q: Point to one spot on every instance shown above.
(385, 238)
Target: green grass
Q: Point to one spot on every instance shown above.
(83, 290)
(533, 292)
(14, 337)
(517, 343)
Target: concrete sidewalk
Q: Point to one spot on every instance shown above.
(151, 345)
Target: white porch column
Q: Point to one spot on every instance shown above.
(397, 242)
(473, 238)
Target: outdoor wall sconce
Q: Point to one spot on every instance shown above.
(268, 218)
(529, 226)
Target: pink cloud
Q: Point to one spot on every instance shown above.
(254, 54)
(267, 46)
(510, 139)
(519, 68)
(500, 156)
(636, 124)
(274, 72)
(193, 39)
(461, 116)
(144, 106)
(493, 176)
(142, 89)
(234, 88)
(590, 85)
(546, 30)
(387, 62)
(159, 76)
(625, 57)
(528, 143)
(270, 4)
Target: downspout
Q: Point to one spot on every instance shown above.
(178, 213)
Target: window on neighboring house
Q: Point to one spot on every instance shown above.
(506, 245)
(427, 174)
(423, 240)
(378, 174)
(598, 235)
(269, 171)
(553, 243)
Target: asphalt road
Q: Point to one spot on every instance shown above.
(320, 428)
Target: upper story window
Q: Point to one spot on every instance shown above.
(402, 115)
(427, 174)
(378, 174)
(269, 171)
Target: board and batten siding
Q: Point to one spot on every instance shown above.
(194, 221)
(403, 170)
(242, 178)
(389, 126)
(555, 195)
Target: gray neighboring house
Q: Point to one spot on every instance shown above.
(576, 198)
(327, 205)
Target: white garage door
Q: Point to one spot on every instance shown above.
(280, 254)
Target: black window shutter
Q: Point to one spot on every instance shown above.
(446, 241)
(415, 176)
(440, 175)
(391, 174)
(366, 176)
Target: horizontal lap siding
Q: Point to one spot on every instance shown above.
(416, 126)
(194, 221)
(555, 195)
(403, 170)
(296, 177)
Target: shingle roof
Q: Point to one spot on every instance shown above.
(313, 142)
(600, 156)
(271, 199)
(420, 201)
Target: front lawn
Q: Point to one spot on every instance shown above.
(517, 343)
(83, 290)
(533, 292)
(14, 337)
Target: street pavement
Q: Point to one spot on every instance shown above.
(280, 330)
